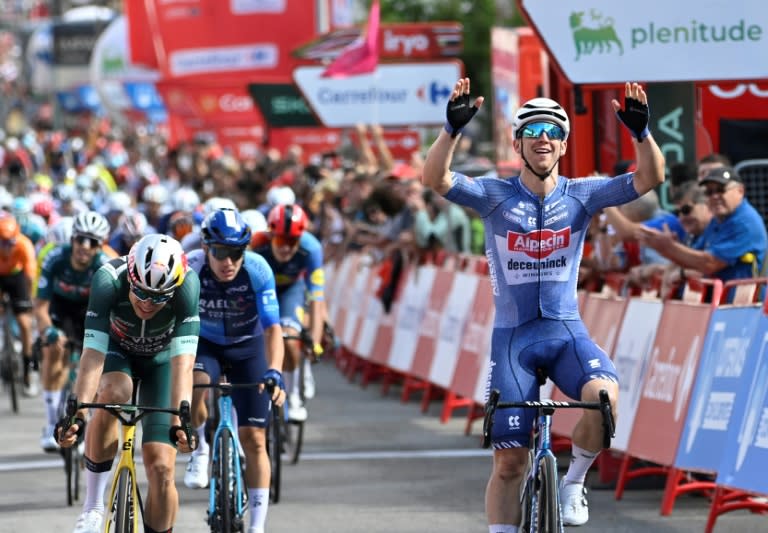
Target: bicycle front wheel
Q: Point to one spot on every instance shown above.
(275, 450)
(226, 482)
(548, 508)
(121, 511)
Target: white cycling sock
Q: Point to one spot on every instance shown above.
(95, 485)
(295, 387)
(502, 528)
(581, 461)
(288, 379)
(51, 399)
(202, 444)
(259, 503)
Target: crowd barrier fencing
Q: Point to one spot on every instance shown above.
(693, 372)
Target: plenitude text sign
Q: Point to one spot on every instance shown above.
(602, 41)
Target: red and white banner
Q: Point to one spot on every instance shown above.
(668, 382)
(416, 288)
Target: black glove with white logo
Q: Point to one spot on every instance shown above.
(458, 114)
(635, 117)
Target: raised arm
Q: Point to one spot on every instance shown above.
(634, 115)
(459, 112)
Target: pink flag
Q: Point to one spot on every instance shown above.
(362, 56)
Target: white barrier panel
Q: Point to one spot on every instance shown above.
(631, 357)
(472, 367)
(355, 303)
(337, 297)
(452, 326)
(371, 313)
(414, 299)
(426, 346)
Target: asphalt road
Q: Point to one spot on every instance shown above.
(371, 464)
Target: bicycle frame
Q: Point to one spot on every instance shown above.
(226, 423)
(126, 464)
(541, 454)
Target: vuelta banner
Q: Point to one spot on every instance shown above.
(632, 356)
(198, 38)
(602, 316)
(417, 286)
(668, 382)
(722, 370)
(746, 446)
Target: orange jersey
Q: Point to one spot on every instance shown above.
(260, 238)
(109, 251)
(20, 257)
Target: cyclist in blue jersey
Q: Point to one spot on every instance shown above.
(535, 225)
(239, 326)
(296, 257)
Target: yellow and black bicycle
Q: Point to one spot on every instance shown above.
(125, 511)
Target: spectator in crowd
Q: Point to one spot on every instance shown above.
(440, 224)
(732, 246)
(710, 162)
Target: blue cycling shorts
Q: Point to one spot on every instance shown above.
(246, 363)
(562, 349)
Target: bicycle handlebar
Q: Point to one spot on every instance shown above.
(226, 387)
(130, 414)
(603, 405)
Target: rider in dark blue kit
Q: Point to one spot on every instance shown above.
(535, 225)
(296, 257)
(239, 325)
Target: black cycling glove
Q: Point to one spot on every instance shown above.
(635, 117)
(458, 114)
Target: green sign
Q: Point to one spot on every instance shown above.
(673, 112)
(282, 104)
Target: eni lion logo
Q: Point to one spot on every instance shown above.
(599, 35)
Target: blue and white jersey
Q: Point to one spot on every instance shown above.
(238, 310)
(533, 245)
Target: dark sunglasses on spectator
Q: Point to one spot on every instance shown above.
(534, 130)
(82, 240)
(155, 298)
(223, 252)
(716, 190)
(684, 210)
(281, 240)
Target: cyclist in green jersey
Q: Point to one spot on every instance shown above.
(62, 300)
(142, 322)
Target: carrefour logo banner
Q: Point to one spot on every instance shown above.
(602, 41)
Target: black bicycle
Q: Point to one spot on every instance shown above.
(293, 430)
(540, 499)
(11, 362)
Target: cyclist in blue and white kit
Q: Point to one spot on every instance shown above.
(535, 225)
(239, 325)
(296, 257)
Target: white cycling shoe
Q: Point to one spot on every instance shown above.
(296, 410)
(196, 476)
(309, 381)
(89, 522)
(573, 502)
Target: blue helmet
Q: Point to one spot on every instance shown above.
(225, 227)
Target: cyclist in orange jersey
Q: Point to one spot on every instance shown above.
(18, 269)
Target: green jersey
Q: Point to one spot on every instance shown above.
(59, 280)
(111, 323)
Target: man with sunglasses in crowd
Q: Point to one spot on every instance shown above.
(63, 289)
(733, 244)
(535, 226)
(142, 323)
(296, 258)
(240, 337)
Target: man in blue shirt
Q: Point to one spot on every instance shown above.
(734, 243)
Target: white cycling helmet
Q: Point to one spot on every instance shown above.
(133, 225)
(218, 202)
(91, 224)
(155, 194)
(61, 231)
(255, 220)
(280, 196)
(157, 264)
(541, 110)
(185, 199)
(118, 201)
